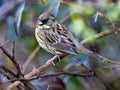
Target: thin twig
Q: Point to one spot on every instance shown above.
(11, 57)
(114, 30)
(30, 58)
(5, 52)
(100, 35)
(9, 74)
(4, 74)
(35, 72)
(14, 61)
(13, 50)
(99, 57)
(66, 3)
(65, 18)
(51, 75)
(50, 62)
(7, 69)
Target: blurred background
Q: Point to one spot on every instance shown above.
(84, 18)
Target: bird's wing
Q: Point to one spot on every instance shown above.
(60, 42)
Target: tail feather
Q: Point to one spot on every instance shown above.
(95, 55)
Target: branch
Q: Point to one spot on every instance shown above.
(54, 74)
(35, 72)
(5, 52)
(8, 70)
(50, 62)
(11, 57)
(17, 66)
(14, 61)
(8, 73)
(66, 3)
(114, 30)
(30, 58)
(65, 19)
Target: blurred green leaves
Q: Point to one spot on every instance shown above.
(81, 12)
(114, 13)
(79, 25)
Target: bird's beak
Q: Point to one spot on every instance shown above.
(39, 23)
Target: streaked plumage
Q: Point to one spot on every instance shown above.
(55, 38)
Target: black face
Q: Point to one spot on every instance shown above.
(44, 21)
(45, 18)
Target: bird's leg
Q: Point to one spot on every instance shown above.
(58, 56)
(53, 59)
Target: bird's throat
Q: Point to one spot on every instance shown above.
(44, 27)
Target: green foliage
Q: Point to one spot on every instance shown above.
(114, 13)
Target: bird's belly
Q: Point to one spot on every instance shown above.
(40, 36)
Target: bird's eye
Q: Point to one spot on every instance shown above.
(45, 21)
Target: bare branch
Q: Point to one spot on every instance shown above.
(35, 72)
(65, 18)
(14, 61)
(50, 62)
(54, 74)
(114, 30)
(5, 52)
(11, 57)
(30, 58)
(8, 70)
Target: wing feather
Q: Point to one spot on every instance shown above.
(61, 40)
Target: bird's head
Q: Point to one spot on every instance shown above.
(45, 21)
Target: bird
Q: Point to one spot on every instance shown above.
(55, 38)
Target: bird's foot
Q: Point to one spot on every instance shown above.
(52, 60)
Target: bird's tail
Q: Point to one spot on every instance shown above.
(95, 55)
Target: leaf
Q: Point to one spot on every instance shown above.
(54, 7)
(94, 21)
(17, 19)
